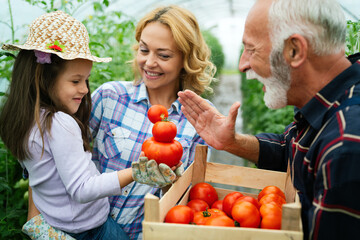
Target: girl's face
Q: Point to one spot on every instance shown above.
(70, 86)
(159, 59)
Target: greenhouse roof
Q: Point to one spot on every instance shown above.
(225, 18)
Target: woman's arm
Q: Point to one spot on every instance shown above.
(37, 231)
(32, 210)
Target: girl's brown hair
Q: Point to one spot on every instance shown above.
(31, 90)
(198, 71)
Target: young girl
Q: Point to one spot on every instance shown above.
(44, 123)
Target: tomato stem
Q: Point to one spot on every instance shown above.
(237, 224)
(206, 213)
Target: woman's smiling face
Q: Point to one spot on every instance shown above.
(159, 59)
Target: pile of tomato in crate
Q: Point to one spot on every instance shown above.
(235, 210)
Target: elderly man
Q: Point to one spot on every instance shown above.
(296, 49)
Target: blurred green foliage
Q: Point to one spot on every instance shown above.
(256, 116)
(13, 200)
(217, 53)
(352, 37)
(217, 57)
(111, 35)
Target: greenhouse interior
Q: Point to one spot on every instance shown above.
(111, 26)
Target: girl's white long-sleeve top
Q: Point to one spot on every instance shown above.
(67, 187)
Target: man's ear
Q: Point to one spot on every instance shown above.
(295, 50)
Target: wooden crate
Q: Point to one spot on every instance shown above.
(200, 171)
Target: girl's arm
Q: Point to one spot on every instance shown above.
(125, 177)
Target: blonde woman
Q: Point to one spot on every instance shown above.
(171, 56)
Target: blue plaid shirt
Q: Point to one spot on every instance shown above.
(323, 147)
(119, 126)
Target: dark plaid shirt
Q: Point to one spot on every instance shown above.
(323, 146)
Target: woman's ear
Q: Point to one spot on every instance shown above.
(295, 50)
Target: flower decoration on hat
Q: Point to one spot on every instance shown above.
(42, 57)
(56, 46)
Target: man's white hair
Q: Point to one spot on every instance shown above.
(321, 22)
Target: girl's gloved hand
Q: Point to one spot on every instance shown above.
(149, 172)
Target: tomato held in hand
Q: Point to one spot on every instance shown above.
(203, 191)
(157, 113)
(246, 214)
(164, 131)
(179, 214)
(198, 205)
(168, 153)
(229, 201)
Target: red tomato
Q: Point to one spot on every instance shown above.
(229, 201)
(203, 191)
(164, 131)
(246, 214)
(248, 199)
(271, 189)
(272, 197)
(218, 204)
(168, 153)
(216, 212)
(222, 221)
(271, 221)
(200, 218)
(271, 216)
(157, 113)
(179, 214)
(198, 205)
(270, 209)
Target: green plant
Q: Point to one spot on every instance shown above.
(217, 54)
(112, 35)
(352, 37)
(13, 200)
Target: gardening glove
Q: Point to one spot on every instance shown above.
(150, 173)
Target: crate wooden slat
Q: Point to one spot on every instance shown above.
(243, 176)
(200, 171)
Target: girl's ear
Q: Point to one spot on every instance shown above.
(295, 50)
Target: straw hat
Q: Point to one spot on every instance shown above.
(58, 33)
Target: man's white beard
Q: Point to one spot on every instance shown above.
(277, 85)
(275, 91)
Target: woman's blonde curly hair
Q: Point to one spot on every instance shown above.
(198, 71)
